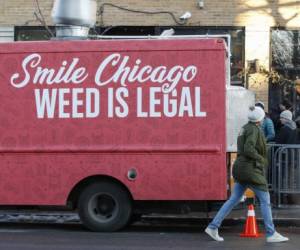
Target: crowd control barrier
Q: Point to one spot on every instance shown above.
(283, 172)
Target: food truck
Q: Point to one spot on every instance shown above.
(103, 125)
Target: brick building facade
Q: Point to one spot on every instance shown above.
(258, 24)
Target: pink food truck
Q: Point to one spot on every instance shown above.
(108, 128)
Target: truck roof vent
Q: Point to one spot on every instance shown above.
(74, 18)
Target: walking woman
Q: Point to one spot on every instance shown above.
(249, 172)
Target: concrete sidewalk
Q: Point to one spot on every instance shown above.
(287, 216)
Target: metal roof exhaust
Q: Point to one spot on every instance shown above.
(74, 18)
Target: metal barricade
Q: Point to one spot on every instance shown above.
(284, 171)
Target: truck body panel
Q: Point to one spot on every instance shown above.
(75, 109)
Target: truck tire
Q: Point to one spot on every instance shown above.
(104, 207)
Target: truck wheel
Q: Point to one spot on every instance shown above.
(104, 207)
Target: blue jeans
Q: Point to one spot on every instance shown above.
(237, 194)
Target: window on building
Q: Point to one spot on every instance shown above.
(126, 30)
(32, 33)
(285, 68)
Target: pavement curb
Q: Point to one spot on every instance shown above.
(153, 219)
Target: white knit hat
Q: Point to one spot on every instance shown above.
(256, 114)
(286, 114)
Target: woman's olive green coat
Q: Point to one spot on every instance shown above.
(250, 165)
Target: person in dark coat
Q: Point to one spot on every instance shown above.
(275, 113)
(249, 172)
(297, 121)
(287, 134)
(267, 124)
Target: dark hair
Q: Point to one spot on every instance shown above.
(260, 105)
(286, 103)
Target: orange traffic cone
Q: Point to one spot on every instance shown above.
(251, 229)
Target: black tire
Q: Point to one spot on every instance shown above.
(104, 207)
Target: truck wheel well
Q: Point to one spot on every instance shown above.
(73, 197)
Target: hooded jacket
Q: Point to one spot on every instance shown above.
(287, 134)
(267, 127)
(249, 167)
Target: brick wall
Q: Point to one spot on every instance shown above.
(256, 15)
(215, 12)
